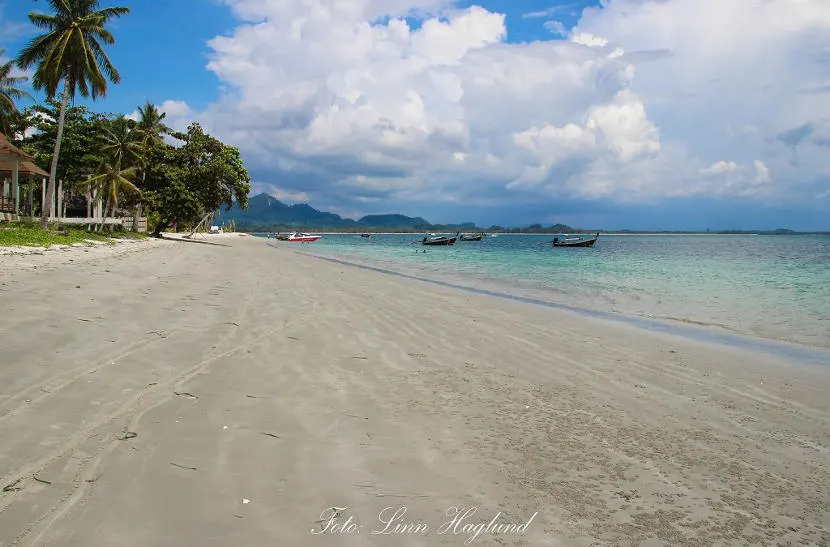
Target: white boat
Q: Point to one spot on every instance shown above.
(301, 237)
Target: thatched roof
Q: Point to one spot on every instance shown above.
(8, 149)
(23, 167)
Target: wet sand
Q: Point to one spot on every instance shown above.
(232, 392)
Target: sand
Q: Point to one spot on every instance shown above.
(231, 392)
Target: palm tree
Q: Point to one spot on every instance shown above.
(120, 147)
(151, 123)
(70, 52)
(150, 127)
(9, 93)
(121, 143)
(112, 181)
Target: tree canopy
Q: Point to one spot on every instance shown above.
(183, 183)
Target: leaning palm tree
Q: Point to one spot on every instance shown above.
(9, 93)
(70, 53)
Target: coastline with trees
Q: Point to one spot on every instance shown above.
(136, 165)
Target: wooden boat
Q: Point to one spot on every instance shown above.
(575, 242)
(438, 240)
(470, 237)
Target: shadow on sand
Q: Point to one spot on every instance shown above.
(185, 239)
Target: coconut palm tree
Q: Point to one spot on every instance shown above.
(9, 93)
(121, 142)
(112, 181)
(151, 123)
(120, 148)
(151, 128)
(71, 53)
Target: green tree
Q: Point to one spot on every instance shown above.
(112, 181)
(185, 183)
(150, 128)
(119, 148)
(150, 124)
(71, 53)
(80, 149)
(120, 142)
(9, 93)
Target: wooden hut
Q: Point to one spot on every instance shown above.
(13, 163)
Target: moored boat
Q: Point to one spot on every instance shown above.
(575, 241)
(433, 239)
(299, 237)
(470, 237)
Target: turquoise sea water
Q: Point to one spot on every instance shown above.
(775, 287)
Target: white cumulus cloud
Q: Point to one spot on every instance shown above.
(350, 101)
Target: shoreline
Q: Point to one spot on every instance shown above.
(490, 234)
(706, 332)
(186, 394)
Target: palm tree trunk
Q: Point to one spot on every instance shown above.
(50, 189)
(112, 211)
(111, 207)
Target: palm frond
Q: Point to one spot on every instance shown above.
(103, 61)
(44, 22)
(109, 13)
(71, 51)
(61, 7)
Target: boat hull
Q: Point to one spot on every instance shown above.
(580, 243)
(441, 242)
(304, 239)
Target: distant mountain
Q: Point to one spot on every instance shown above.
(393, 221)
(268, 214)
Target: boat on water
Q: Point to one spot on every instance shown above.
(433, 239)
(470, 237)
(298, 237)
(365, 235)
(575, 241)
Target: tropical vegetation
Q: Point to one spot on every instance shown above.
(9, 93)
(135, 163)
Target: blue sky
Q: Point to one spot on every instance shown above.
(498, 111)
(161, 56)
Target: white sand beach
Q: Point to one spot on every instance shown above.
(230, 392)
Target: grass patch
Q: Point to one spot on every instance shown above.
(26, 235)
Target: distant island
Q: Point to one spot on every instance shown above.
(265, 213)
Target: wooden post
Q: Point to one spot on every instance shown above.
(30, 202)
(43, 196)
(16, 185)
(88, 196)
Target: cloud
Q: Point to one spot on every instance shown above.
(258, 187)
(556, 27)
(372, 101)
(178, 116)
(551, 11)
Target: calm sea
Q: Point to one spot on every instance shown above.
(774, 287)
